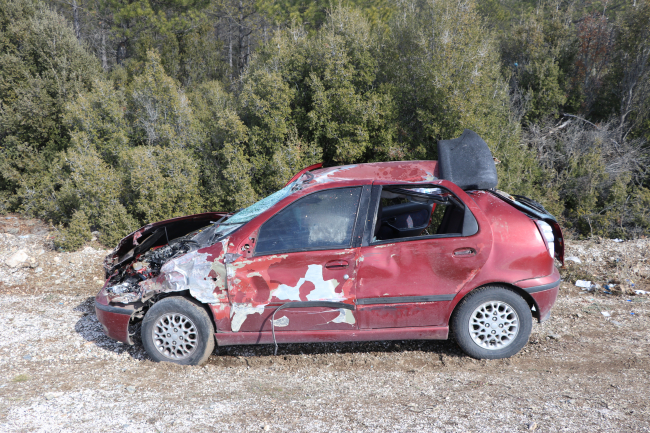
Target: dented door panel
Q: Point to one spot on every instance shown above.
(259, 285)
(409, 283)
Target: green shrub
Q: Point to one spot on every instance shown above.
(161, 183)
(114, 223)
(75, 235)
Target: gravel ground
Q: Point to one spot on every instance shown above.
(581, 371)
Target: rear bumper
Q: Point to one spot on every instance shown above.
(544, 292)
(115, 321)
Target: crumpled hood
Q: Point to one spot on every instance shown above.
(174, 227)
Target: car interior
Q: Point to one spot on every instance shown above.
(406, 212)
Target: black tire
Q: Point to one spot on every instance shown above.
(494, 339)
(190, 340)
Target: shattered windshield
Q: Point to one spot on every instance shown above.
(247, 214)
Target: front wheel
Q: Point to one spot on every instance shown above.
(179, 331)
(492, 323)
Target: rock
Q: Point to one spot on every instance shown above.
(554, 336)
(130, 389)
(38, 270)
(17, 259)
(52, 395)
(57, 260)
(573, 259)
(532, 426)
(27, 357)
(13, 230)
(267, 427)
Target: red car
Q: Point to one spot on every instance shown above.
(380, 251)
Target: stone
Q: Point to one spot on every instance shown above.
(130, 389)
(17, 259)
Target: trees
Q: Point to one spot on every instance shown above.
(42, 65)
(210, 105)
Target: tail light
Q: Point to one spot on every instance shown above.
(547, 233)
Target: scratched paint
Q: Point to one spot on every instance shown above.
(345, 316)
(281, 322)
(239, 313)
(323, 290)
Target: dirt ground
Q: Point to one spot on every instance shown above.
(581, 371)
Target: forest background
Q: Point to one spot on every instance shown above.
(114, 113)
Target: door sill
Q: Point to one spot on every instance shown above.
(415, 333)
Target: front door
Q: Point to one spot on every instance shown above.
(303, 267)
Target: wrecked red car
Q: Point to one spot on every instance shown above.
(379, 251)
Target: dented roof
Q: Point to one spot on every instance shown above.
(398, 171)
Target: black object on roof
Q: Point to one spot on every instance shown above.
(467, 162)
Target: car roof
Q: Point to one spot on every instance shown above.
(398, 171)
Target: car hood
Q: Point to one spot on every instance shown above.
(174, 227)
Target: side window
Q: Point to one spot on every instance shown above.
(323, 220)
(406, 212)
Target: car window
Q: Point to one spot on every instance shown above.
(247, 214)
(322, 220)
(411, 212)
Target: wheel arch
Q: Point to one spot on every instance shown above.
(186, 295)
(518, 290)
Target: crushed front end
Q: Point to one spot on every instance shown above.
(178, 255)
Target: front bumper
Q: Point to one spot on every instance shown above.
(115, 321)
(544, 292)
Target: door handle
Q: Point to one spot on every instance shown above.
(337, 264)
(464, 252)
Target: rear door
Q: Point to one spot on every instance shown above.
(303, 267)
(408, 278)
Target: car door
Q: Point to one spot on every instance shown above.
(410, 281)
(303, 266)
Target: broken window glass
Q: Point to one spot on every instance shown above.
(247, 214)
(323, 220)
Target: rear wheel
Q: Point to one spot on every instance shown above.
(177, 330)
(492, 323)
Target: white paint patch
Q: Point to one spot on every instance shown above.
(254, 274)
(281, 322)
(186, 272)
(323, 290)
(429, 177)
(345, 316)
(239, 313)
